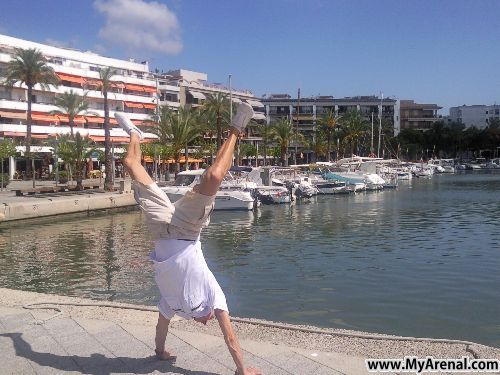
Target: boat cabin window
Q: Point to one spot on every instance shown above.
(184, 179)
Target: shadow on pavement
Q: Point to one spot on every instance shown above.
(96, 363)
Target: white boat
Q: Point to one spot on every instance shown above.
(227, 198)
(493, 164)
(331, 187)
(443, 165)
(273, 194)
(304, 188)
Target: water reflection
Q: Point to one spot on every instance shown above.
(421, 260)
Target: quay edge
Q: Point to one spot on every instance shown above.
(30, 208)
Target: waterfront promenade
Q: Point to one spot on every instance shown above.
(31, 206)
(109, 340)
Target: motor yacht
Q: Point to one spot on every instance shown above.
(229, 197)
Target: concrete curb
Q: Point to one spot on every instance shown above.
(29, 208)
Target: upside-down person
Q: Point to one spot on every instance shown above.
(187, 286)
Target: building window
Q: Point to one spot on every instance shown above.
(285, 110)
(94, 68)
(56, 61)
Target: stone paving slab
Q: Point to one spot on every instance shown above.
(113, 340)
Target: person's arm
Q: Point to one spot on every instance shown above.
(232, 343)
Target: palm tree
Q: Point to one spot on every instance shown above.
(328, 124)
(247, 150)
(179, 129)
(29, 67)
(283, 133)
(105, 85)
(218, 104)
(318, 145)
(266, 133)
(71, 104)
(355, 126)
(75, 152)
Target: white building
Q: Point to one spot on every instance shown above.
(134, 91)
(475, 115)
(194, 90)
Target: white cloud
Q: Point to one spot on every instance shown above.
(58, 43)
(140, 25)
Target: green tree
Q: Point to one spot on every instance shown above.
(75, 151)
(29, 67)
(328, 124)
(72, 105)
(247, 150)
(105, 85)
(318, 145)
(179, 129)
(218, 105)
(355, 127)
(283, 134)
(266, 134)
(7, 149)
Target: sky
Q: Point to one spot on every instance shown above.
(445, 52)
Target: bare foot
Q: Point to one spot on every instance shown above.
(164, 356)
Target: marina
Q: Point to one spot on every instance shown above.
(419, 260)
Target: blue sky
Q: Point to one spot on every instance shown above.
(437, 51)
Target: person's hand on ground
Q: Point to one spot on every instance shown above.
(165, 356)
(249, 371)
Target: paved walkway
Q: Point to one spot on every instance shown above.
(114, 340)
(74, 343)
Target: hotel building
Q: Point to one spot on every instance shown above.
(134, 91)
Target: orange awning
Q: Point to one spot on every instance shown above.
(43, 117)
(133, 105)
(77, 120)
(14, 134)
(92, 82)
(71, 78)
(133, 87)
(100, 138)
(149, 106)
(149, 159)
(18, 115)
(94, 119)
(150, 89)
(23, 134)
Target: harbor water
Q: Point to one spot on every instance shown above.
(420, 260)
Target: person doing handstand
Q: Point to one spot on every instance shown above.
(187, 286)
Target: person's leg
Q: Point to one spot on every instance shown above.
(133, 161)
(213, 176)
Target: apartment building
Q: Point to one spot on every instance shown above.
(194, 89)
(475, 115)
(305, 113)
(418, 116)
